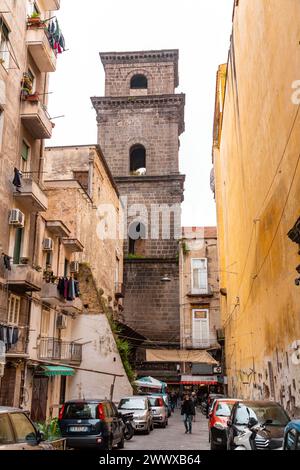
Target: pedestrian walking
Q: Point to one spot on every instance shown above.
(194, 400)
(188, 411)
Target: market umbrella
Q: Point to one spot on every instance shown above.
(150, 382)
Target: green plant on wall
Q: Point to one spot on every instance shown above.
(123, 345)
(185, 248)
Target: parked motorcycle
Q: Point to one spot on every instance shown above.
(128, 426)
(254, 437)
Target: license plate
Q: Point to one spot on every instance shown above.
(78, 428)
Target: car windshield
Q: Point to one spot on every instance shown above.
(154, 401)
(80, 411)
(132, 404)
(273, 413)
(224, 409)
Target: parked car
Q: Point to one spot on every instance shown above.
(17, 432)
(159, 411)
(272, 413)
(292, 436)
(93, 424)
(141, 407)
(217, 424)
(166, 400)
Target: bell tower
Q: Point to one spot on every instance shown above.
(140, 119)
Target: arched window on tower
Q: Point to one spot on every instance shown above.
(139, 82)
(138, 160)
(137, 236)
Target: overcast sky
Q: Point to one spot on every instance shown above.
(200, 29)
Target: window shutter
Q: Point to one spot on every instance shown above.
(24, 151)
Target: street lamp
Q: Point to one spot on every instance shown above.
(165, 278)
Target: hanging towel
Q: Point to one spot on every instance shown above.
(6, 260)
(15, 336)
(17, 178)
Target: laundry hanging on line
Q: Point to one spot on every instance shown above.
(17, 181)
(6, 261)
(68, 288)
(56, 38)
(9, 335)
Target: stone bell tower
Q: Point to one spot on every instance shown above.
(139, 121)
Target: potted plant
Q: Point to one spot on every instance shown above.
(24, 260)
(34, 19)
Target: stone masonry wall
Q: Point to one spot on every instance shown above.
(151, 307)
(156, 129)
(160, 78)
(150, 192)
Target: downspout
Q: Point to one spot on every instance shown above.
(91, 175)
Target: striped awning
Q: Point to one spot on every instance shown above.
(52, 371)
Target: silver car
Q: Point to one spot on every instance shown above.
(141, 408)
(17, 432)
(159, 411)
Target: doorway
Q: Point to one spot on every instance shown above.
(39, 399)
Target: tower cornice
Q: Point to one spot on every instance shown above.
(164, 103)
(164, 55)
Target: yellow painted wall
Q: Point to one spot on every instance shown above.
(257, 174)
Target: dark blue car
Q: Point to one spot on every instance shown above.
(292, 436)
(91, 424)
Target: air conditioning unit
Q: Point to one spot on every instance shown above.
(61, 322)
(2, 368)
(48, 244)
(74, 267)
(16, 218)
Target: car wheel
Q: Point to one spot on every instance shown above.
(209, 436)
(152, 426)
(164, 424)
(148, 429)
(121, 443)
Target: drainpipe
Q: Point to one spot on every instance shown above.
(91, 175)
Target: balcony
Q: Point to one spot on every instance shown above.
(119, 290)
(23, 278)
(73, 245)
(52, 349)
(40, 49)
(198, 344)
(201, 293)
(50, 295)
(52, 5)
(72, 307)
(36, 120)
(57, 228)
(18, 350)
(30, 195)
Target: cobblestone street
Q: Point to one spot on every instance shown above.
(173, 437)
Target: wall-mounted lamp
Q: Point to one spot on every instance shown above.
(165, 278)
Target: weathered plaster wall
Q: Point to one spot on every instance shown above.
(257, 188)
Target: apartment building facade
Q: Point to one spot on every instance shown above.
(28, 53)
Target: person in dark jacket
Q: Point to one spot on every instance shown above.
(188, 411)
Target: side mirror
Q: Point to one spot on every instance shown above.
(252, 422)
(40, 437)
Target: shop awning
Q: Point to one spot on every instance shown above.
(52, 371)
(180, 355)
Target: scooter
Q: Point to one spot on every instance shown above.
(128, 426)
(246, 440)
